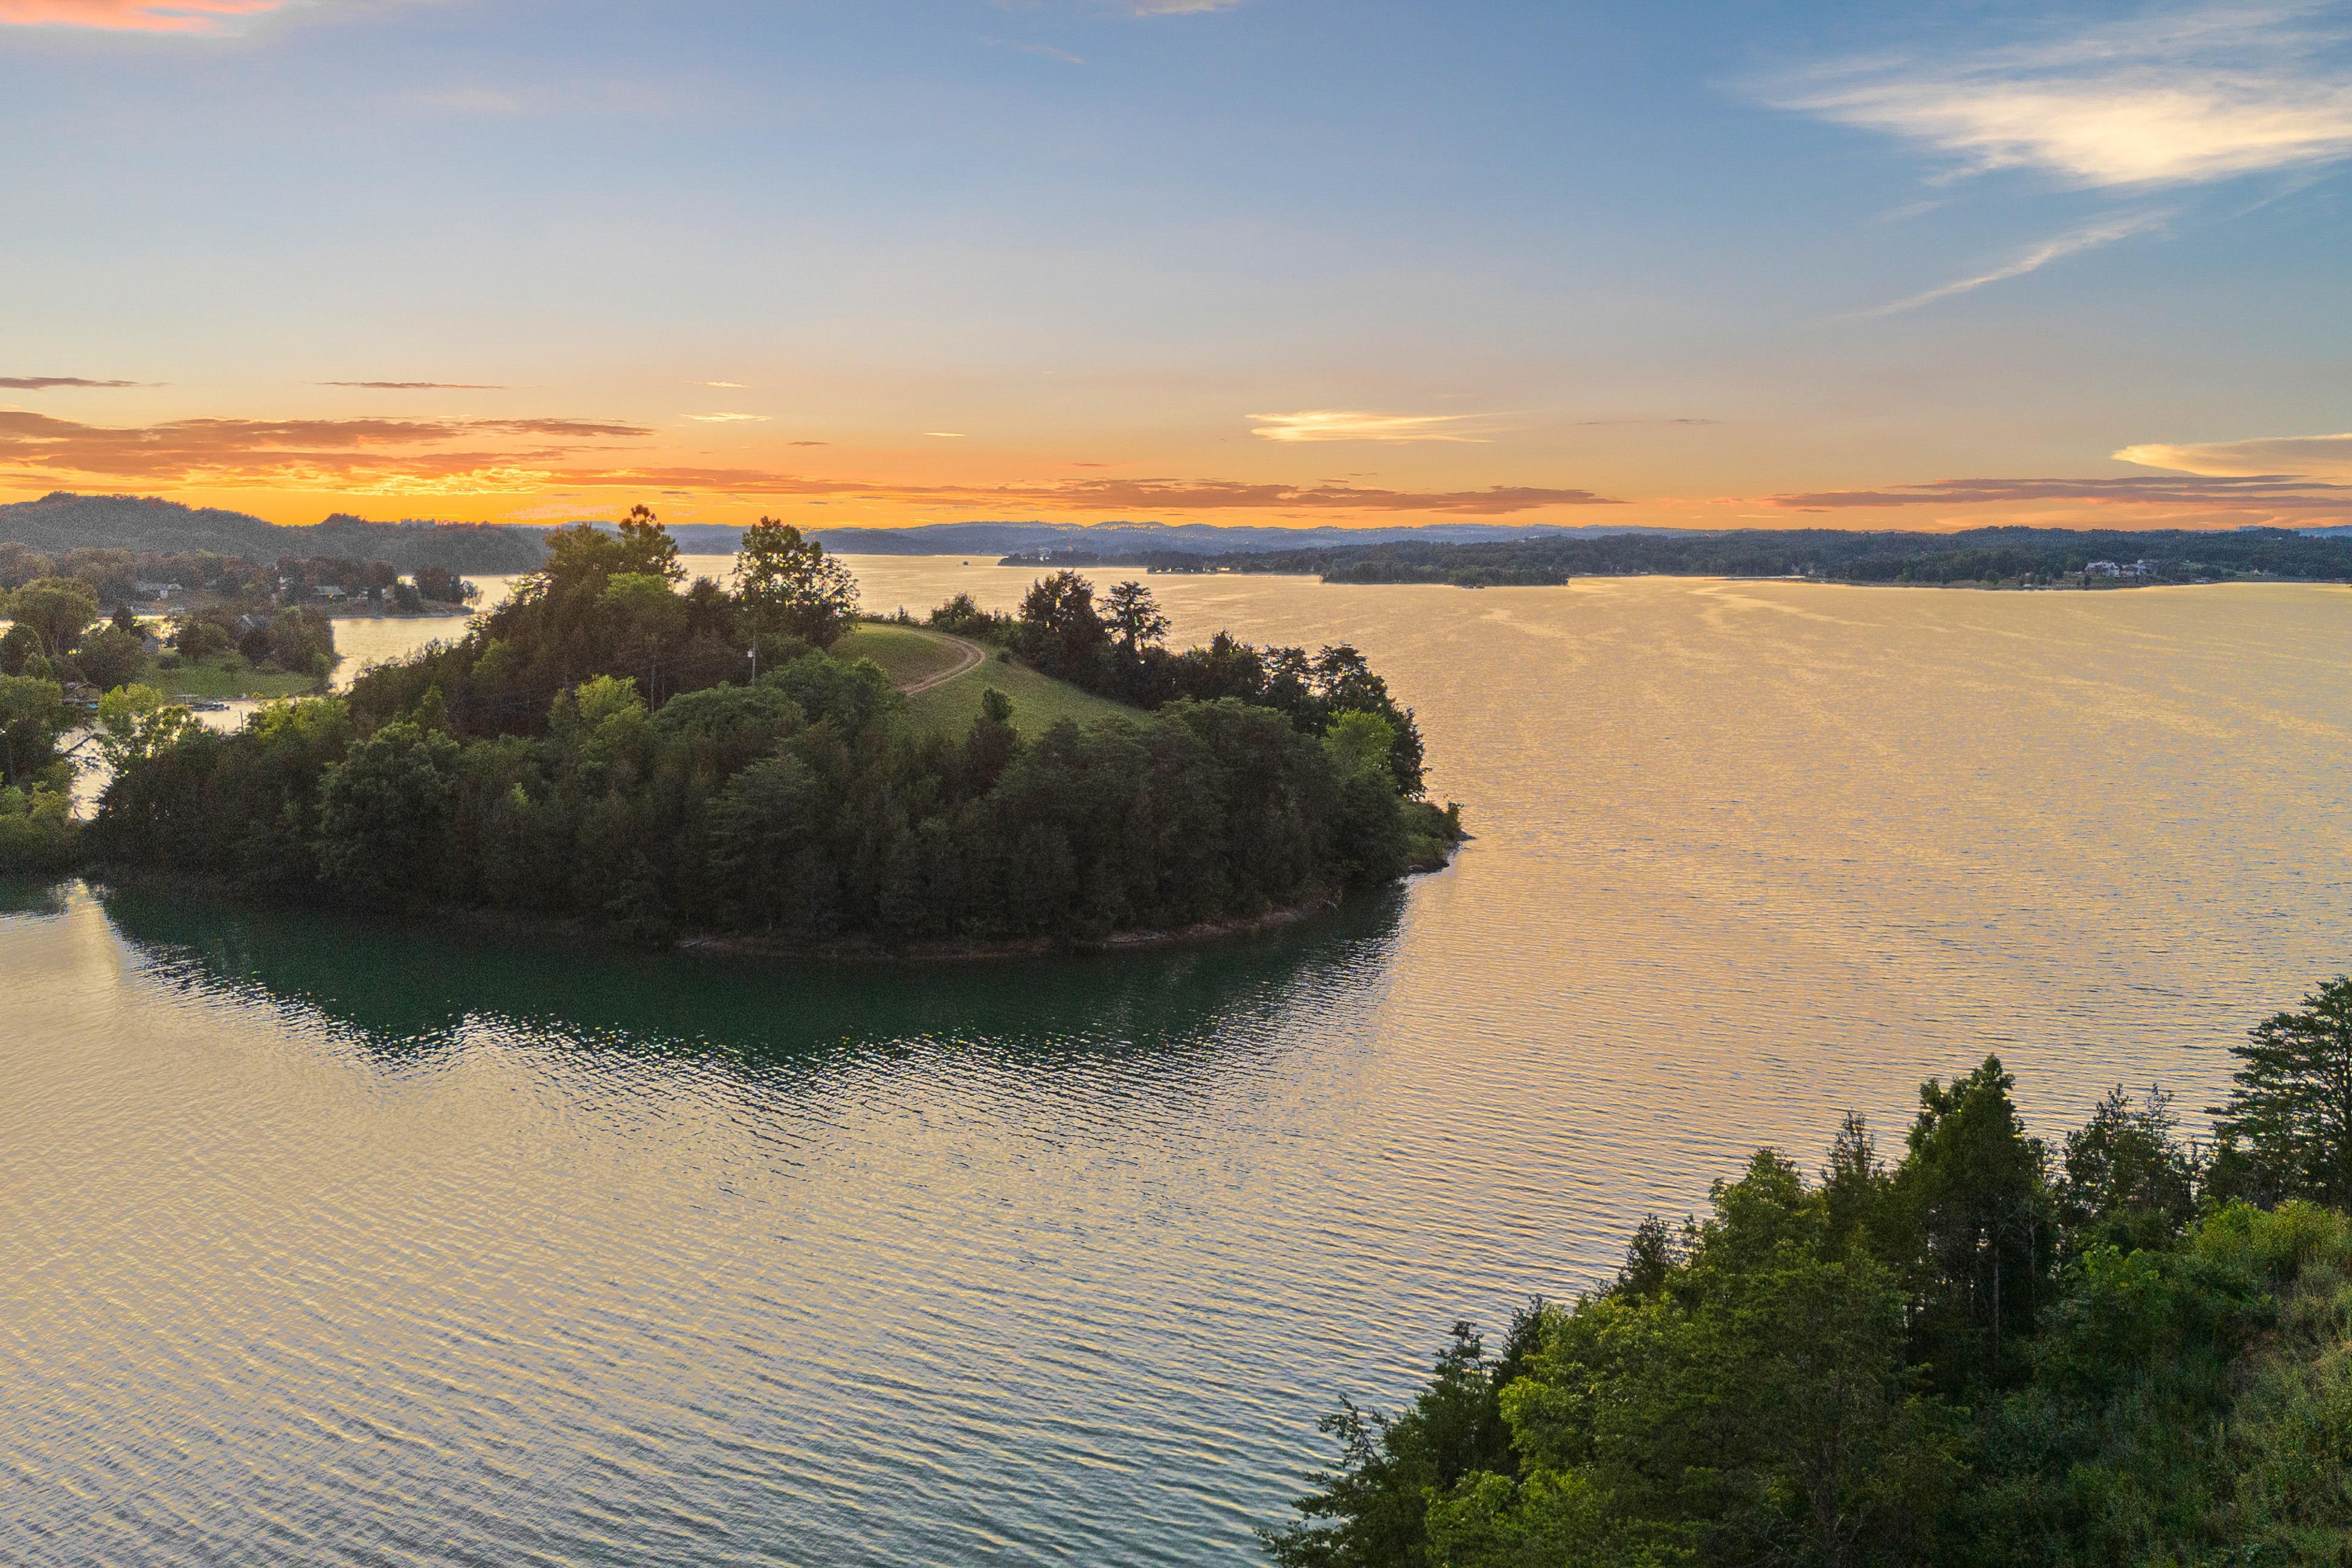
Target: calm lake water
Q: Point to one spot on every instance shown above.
(333, 1243)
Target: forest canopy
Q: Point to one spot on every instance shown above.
(616, 744)
(2121, 1349)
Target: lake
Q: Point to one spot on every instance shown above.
(331, 1242)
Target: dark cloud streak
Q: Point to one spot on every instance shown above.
(2254, 492)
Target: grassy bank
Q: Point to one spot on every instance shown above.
(908, 657)
(1039, 702)
(226, 678)
(904, 655)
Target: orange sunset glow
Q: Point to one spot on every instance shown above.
(1132, 261)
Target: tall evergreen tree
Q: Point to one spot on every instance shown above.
(2292, 1098)
(1975, 1187)
(1134, 617)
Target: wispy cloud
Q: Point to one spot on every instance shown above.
(374, 456)
(1177, 7)
(2033, 261)
(722, 386)
(133, 15)
(729, 418)
(1117, 498)
(1639, 419)
(2169, 96)
(1051, 53)
(2263, 457)
(418, 385)
(1355, 424)
(45, 382)
(421, 457)
(948, 435)
(2260, 495)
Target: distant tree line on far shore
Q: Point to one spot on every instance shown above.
(159, 580)
(2012, 557)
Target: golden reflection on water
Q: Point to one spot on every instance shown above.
(332, 1243)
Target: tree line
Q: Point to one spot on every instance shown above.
(1980, 555)
(114, 577)
(614, 745)
(2127, 1349)
(1116, 649)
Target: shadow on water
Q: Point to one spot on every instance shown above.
(35, 896)
(404, 988)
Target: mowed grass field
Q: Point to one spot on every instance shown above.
(1039, 702)
(906, 656)
(214, 679)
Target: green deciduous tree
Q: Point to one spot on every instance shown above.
(56, 609)
(33, 715)
(19, 645)
(788, 584)
(199, 636)
(384, 814)
(109, 657)
(1060, 629)
(135, 723)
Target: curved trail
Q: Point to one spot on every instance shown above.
(972, 651)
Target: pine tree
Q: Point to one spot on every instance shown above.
(2292, 1105)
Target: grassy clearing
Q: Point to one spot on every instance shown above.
(1039, 702)
(905, 656)
(219, 679)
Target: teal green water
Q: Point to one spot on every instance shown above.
(330, 1242)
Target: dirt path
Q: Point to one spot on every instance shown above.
(972, 653)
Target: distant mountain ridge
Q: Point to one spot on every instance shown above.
(62, 522)
(1173, 538)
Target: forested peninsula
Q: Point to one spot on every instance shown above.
(614, 746)
(2127, 1349)
(1980, 557)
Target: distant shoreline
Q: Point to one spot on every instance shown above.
(1972, 586)
(2068, 559)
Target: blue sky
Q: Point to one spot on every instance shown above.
(1269, 260)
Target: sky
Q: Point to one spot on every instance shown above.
(1306, 262)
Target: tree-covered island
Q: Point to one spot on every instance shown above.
(2126, 1348)
(614, 745)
